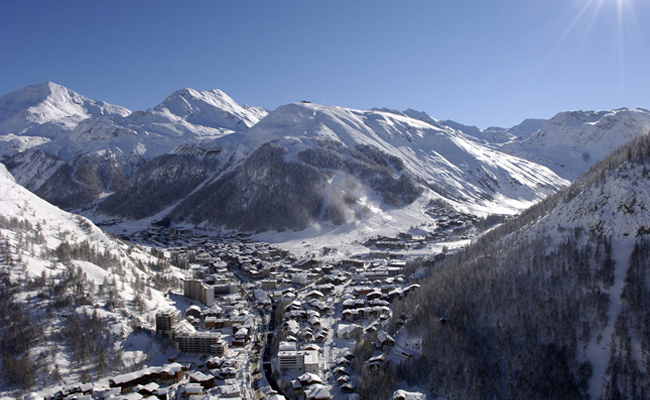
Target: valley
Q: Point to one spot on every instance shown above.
(204, 249)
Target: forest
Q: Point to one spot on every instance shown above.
(525, 305)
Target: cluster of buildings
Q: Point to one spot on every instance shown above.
(351, 297)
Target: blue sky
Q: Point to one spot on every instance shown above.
(474, 61)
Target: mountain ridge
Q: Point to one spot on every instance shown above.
(465, 166)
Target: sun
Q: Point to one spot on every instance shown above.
(587, 14)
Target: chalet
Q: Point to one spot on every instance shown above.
(314, 294)
(348, 304)
(350, 315)
(378, 303)
(230, 390)
(314, 321)
(240, 337)
(205, 380)
(147, 390)
(298, 315)
(296, 387)
(347, 354)
(404, 395)
(348, 331)
(376, 362)
(362, 290)
(321, 337)
(307, 335)
(291, 339)
(210, 322)
(318, 392)
(193, 311)
(394, 294)
(384, 341)
(348, 388)
(219, 362)
(168, 373)
(309, 378)
(373, 295)
(342, 362)
(191, 389)
(327, 269)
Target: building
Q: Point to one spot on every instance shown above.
(165, 321)
(200, 343)
(269, 284)
(299, 360)
(404, 395)
(195, 289)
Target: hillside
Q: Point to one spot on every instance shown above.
(202, 159)
(72, 297)
(551, 304)
(49, 110)
(73, 151)
(572, 141)
(306, 163)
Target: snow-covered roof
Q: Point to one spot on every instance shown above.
(309, 378)
(318, 392)
(404, 395)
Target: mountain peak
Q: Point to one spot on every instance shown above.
(212, 108)
(572, 141)
(49, 109)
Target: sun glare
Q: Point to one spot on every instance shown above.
(589, 13)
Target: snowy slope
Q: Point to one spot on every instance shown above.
(571, 142)
(616, 208)
(57, 227)
(16, 201)
(46, 252)
(186, 115)
(493, 135)
(210, 108)
(88, 148)
(48, 110)
(450, 162)
(557, 296)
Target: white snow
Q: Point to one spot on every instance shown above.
(572, 141)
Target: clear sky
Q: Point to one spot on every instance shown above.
(479, 62)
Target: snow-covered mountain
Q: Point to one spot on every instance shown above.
(572, 141)
(197, 146)
(556, 298)
(306, 163)
(495, 136)
(447, 160)
(48, 110)
(210, 108)
(71, 295)
(71, 150)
